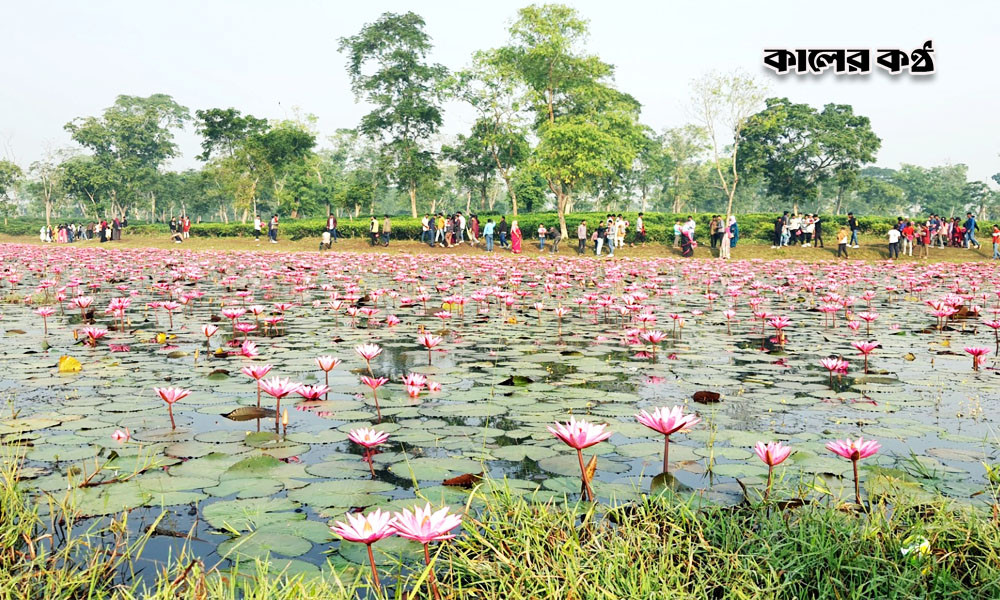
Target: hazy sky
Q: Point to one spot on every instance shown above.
(70, 58)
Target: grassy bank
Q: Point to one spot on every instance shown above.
(871, 248)
(656, 547)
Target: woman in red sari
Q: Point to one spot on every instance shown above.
(515, 238)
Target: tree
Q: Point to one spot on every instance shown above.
(387, 64)
(87, 183)
(476, 165)
(797, 148)
(492, 88)
(723, 104)
(939, 190)
(10, 175)
(586, 129)
(131, 141)
(46, 179)
(224, 130)
(682, 146)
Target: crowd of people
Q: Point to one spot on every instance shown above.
(67, 233)
(796, 229)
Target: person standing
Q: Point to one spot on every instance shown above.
(853, 224)
(373, 231)
(909, 233)
(640, 230)
(779, 229)
(272, 228)
(541, 236)
(460, 225)
(473, 230)
(431, 230)
(817, 231)
(425, 228)
(677, 233)
(503, 229)
(331, 227)
(599, 241)
(923, 241)
(257, 226)
(187, 227)
(843, 237)
(894, 236)
(386, 230)
(581, 237)
(970, 232)
(515, 238)
(808, 228)
(116, 230)
(609, 236)
(488, 234)
(996, 242)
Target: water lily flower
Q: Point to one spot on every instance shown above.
(854, 450)
(171, 395)
(366, 529)
(865, 348)
(368, 352)
(978, 353)
(121, 436)
(772, 454)
(668, 422)
(429, 341)
(425, 526)
(580, 435)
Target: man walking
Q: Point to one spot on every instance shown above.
(272, 230)
(386, 230)
(970, 232)
(488, 234)
(503, 230)
(853, 224)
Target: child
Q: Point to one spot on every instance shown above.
(843, 236)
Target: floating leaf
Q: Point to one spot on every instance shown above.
(68, 364)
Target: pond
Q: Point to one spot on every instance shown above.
(509, 364)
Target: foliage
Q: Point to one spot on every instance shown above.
(403, 87)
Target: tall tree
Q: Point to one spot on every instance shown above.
(492, 87)
(131, 141)
(723, 104)
(586, 128)
(46, 179)
(797, 148)
(87, 183)
(387, 63)
(682, 146)
(10, 175)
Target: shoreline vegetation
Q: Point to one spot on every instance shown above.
(658, 546)
(871, 249)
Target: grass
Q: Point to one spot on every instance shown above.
(514, 548)
(872, 249)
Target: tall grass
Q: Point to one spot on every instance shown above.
(516, 548)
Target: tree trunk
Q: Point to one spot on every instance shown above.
(468, 202)
(413, 199)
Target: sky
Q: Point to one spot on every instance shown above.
(65, 59)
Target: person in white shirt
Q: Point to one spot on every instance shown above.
(425, 228)
(893, 243)
(257, 225)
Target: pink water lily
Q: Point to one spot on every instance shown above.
(424, 525)
(580, 435)
(865, 348)
(367, 529)
(121, 435)
(375, 383)
(429, 341)
(171, 395)
(772, 454)
(667, 422)
(978, 354)
(278, 388)
(45, 312)
(854, 450)
(368, 352)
